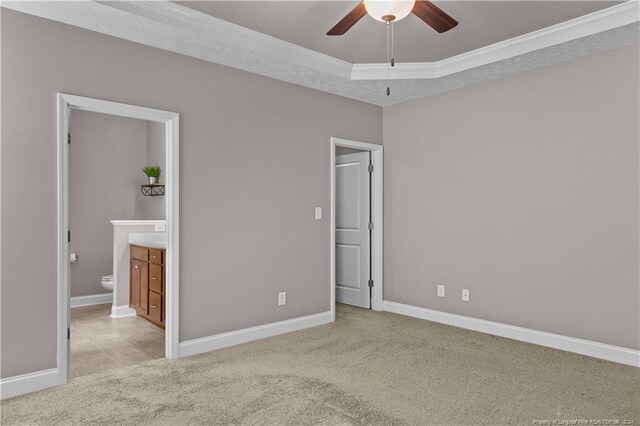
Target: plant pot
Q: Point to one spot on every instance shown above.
(153, 180)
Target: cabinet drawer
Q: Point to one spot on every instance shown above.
(155, 307)
(139, 253)
(155, 278)
(156, 256)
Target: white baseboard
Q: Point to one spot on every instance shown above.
(27, 383)
(556, 341)
(92, 299)
(218, 341)
(122, 311)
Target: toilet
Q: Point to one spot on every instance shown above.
(107, 282)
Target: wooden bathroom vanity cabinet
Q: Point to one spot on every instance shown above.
(147, 282)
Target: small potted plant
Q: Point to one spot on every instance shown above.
(152, 172)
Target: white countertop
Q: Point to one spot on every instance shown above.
(149, 239)
(138, 222)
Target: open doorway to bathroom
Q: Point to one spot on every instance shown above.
(117, 241)
(118, 234)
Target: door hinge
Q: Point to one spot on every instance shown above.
(69, 138)
(370, 168)
(68, 236)
(370, 226)
(68, 333)
(370, 283)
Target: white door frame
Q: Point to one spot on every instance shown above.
(66, 103)
(376, 218)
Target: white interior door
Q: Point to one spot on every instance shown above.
(353, 236)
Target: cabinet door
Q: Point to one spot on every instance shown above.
(144, 288)
(139, 286)
(134, 287)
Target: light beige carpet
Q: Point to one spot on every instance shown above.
(367, 368)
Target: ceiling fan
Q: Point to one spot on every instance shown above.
(394, 10)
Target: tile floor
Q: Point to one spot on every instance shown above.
(100, 343)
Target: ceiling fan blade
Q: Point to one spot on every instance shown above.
(433, 16)
(348, 21)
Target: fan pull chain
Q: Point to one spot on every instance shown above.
(388, 54)
(393, 61)
(390, 60)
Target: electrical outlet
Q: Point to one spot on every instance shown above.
(159, 227)
(465, 294)
(440, 290)
(282, 298)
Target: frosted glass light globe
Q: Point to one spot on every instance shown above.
(378, 9)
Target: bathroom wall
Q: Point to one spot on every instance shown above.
(154, 207)
(106, 157)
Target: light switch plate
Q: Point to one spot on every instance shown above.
(440, 290)
(465, 294)
(282, 298)
(160, 227)
(318, 213)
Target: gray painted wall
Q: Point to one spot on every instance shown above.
(525, 191)
(156, 156)
(254, 162)
(106, 155)
(342, 150)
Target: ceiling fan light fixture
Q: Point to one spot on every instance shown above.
(389, 10)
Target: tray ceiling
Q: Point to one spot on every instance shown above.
(482, 23)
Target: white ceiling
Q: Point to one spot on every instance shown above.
(481, 23)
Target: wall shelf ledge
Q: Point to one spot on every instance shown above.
(152, 190)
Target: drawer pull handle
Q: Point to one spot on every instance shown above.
(136, 266)
(154, 256)
(154, 278)
(154, 306)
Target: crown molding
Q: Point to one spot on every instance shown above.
(400, 71)
(602, 20)
(176, 28)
